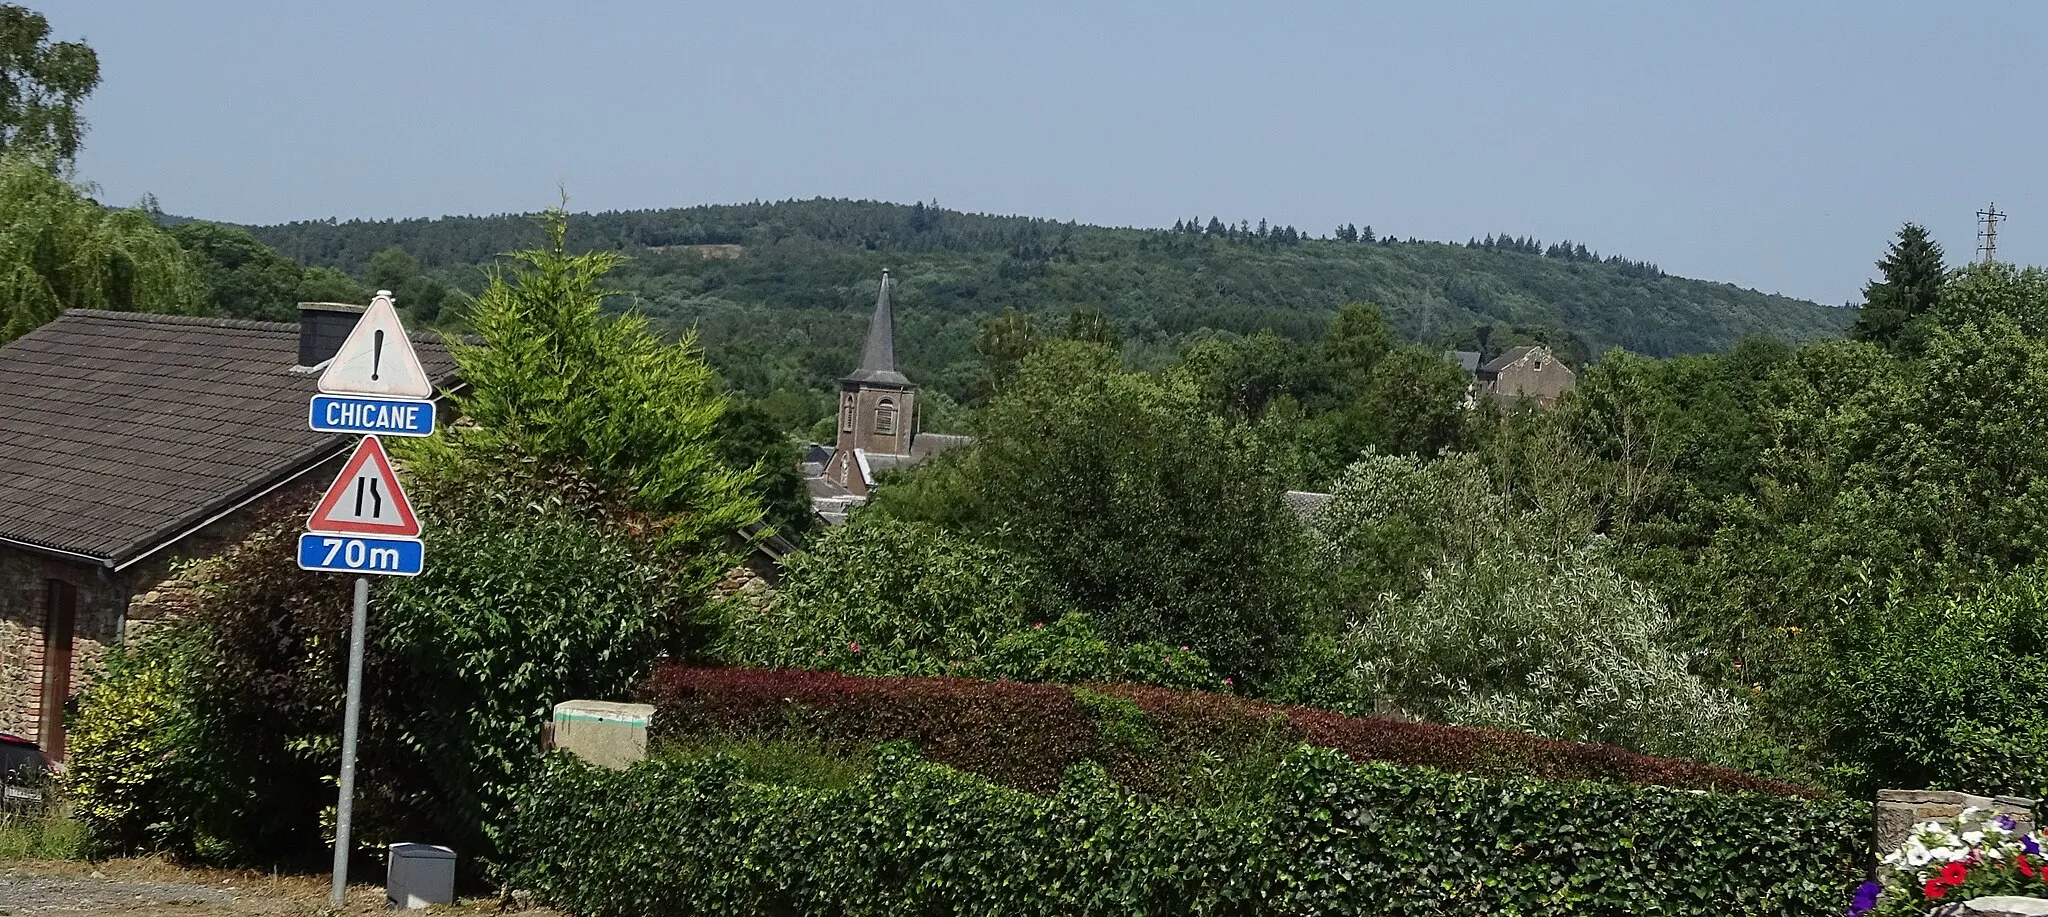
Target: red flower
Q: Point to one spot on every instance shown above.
(2026, 868)
(1934, 889)
(1954, 874)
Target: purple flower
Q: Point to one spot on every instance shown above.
(2028, 844)
(2004, 822)
(1866, 899)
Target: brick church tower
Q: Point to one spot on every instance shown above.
(877, 406)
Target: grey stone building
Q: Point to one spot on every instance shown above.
(1521, 372)
(128, 444)
(878, 423)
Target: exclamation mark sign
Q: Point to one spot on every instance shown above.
(376, 355)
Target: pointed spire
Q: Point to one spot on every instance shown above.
(878, 362)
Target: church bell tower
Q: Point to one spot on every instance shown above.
(877, 404)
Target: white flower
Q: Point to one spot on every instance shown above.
(1973, 838)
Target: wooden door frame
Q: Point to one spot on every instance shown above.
(60, 621)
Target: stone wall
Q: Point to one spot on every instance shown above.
(101, 602)
(1899, 810)
(112, 606)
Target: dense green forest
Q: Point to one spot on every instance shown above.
(779, 292)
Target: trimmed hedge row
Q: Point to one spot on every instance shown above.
(1028, 735)
(674, 837)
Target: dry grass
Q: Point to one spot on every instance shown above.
(149, 886)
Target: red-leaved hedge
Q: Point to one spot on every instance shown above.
(1027, 735)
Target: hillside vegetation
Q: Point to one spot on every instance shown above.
(785, 288)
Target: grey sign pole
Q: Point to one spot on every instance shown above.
(350, 714)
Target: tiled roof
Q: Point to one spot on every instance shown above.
(1506, 360)
(1469, 359)
(120, 431)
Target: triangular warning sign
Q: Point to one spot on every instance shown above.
(377, 358)
(366, 498)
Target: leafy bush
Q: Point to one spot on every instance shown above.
(125, 743)
(879, 596)
(1943, 692)
(1462, 609)
(1570, 650)
(806, 763)
(1165, 527)
(1070, 651)
(1325, 837)
(539, 592)
(1027, 735)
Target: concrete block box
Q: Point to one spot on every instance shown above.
(604, 733)
(419, 875)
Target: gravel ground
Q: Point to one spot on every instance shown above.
(134, 888)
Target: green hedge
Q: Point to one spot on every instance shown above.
(1027, 735)
(1329, 837)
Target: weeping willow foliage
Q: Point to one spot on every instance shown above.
(59, 250)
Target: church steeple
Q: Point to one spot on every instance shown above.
(877, 404)
(878, 362)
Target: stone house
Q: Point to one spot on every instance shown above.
(130, 443)
(1527, 372)
(878, 424)
(1522, 372)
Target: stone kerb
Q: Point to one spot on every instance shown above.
(1899, 810)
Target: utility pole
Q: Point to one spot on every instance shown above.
(1987, 233)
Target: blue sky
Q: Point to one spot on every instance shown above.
(1770, 145)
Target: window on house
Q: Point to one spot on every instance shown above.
(846, 414)
(885, 418)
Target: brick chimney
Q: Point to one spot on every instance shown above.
(323, 326)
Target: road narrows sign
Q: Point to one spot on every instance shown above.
(377, 359)
(366, 499)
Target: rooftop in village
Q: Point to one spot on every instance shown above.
(120, 432)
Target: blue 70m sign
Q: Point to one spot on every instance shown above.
(356, 554)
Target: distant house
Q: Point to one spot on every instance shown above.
(878, 424)
(1522, 372)
(130, 442)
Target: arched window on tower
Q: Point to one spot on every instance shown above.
(885, 418)
(846, 413)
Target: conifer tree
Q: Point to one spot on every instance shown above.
(1912, 272)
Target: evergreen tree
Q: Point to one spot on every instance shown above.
(1911, 287)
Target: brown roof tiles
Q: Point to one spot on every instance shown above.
(121, 430)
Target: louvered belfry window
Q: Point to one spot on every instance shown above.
(885, 418)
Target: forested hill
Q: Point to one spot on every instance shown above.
(796, 280)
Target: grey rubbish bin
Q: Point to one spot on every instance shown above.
(419, 875)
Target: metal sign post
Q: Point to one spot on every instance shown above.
(344, 809)
(364, 524)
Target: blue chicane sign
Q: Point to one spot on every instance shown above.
(371, 415)
(356, 554)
